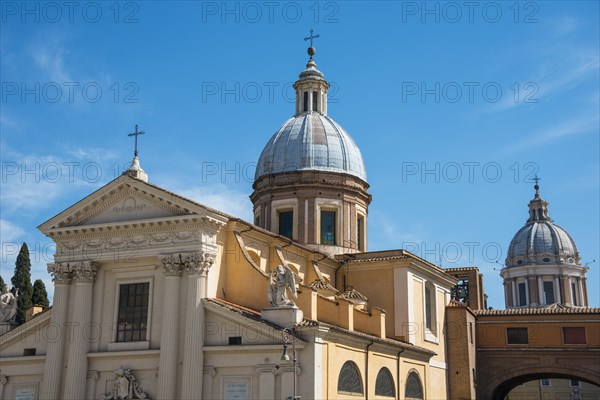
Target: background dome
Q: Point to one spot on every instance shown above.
(311, 141)
(541, 243)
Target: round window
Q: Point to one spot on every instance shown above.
(546, 259)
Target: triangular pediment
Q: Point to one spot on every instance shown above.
(130, 205)
(127, 200)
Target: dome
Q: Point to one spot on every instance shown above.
(311, 141)
(540, 241)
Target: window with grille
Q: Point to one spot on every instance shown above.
(286, 223)
(384, 384)
(414, 389)
(328, 227)
(349, 380)
(132, 319)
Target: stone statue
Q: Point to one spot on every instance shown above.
(8, 304)
(282, 278)
(125, 387)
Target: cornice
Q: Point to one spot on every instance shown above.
(24, 360)
(118, 355)
(171, 223)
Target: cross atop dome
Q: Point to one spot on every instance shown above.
(311, 50)
(537, 186)
(135, 170)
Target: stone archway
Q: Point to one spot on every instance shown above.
(503, 389)
(499, 372)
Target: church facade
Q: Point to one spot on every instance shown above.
(159, 297)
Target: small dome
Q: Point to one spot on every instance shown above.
(311, 141)
(542, 243)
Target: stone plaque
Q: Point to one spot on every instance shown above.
(236, 390)
(25, 393)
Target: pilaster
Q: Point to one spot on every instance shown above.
(53, 367)
(83, 275)
(197, 266)
(167, 376)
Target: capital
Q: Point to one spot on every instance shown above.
(172, 265)
(198, 263)
(61, 273)
(84, 272)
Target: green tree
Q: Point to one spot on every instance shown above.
(21, 280)
(40, 295)
(2, 285)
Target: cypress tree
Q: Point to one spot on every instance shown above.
(21, 280)
(40, 295)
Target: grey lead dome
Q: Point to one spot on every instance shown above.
(311, 141)
(540, 241)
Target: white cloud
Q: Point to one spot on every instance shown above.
(221, 198)
(9, 231)
(32, 182)
(574, 126)
(47, 55)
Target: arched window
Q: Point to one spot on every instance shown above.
(384, 384)
(414, 389)
(349, 380)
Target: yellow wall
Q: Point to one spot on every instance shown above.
(546, 332)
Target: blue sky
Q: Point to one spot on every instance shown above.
(455, 107)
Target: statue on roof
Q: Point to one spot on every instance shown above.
(8, 304)
(281, 279)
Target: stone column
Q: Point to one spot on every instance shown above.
(513, 288)
(532, 290)
(266, 381)
(507, 294)
(557, 292)
(287, 380)
(169, 352)
(92, 377)
(53, 367)
(566, 289)
(540, 283)
(209, 375)
(3, 380)
(197, 266)
(584, 293)
(84, 276)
